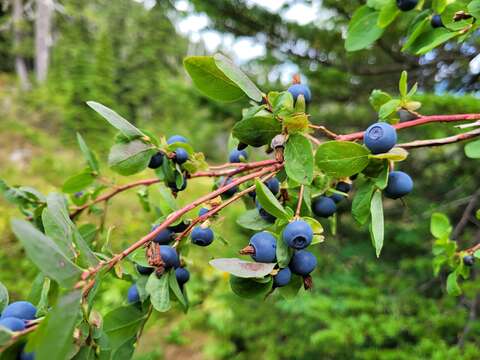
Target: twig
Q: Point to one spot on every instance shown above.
(471, 318)
(330, 134)
(170, 220)
(313, 139)
(466, 214)
(441, 141)
(420, 121)
(299, 203)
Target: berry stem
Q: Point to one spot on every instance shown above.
(299, 203)
(420, 121)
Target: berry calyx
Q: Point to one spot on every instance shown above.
(399, 185)
(202, 236)
(323, 206)
(380, 137)
(298, 234)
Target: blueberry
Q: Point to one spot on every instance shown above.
(133, 295)
(169, 256)
(264, 214)
(323, 206)
(176, 138)
(78, 194)
(203, 211)
(468, 260)
(298, 234)
(380, 137)
(344, 187)
(144, 270)
(180, 227)
(265, 246)
(173, 185)
(181, 156)
(406, 5)
(12, 323)
(230, 192)
(241, 146)
(20, 310)
(156, 160)
(399, 184)
(182, 275)
(273, 185)
(164, 237)
(237, 156)
(303, 262)
(336, 197)
(436, 21)
(27, 356)
(252, 194)
(201, 236)
(300, 89)
(282, 278)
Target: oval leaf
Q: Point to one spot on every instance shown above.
(3, 297)
(440, 226)
(88, 154)
(252, 220)
(472, 149)
(299, 159)
(242, 268)
(249, 288)
(77, 183)
(341, 158)
(363, 29)
(159, 292)
(238, 77)
(377, 226)
(395, 154)
(130, 158)
(257, 131)
(269, 202)
(361, 202)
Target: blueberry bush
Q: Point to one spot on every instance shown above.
(307, 172)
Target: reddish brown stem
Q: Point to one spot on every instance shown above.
(170, 220)
(441, 141)
(231, 172)
(299, 203)
(247, 250)
(420, 121)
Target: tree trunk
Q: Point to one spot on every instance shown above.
(20, 65)
(43, 37)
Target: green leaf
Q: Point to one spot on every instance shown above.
(448, 16)
(472, 149)
(291, 290)
(439, 5)
(299, 159)
(473, 8)
(381, 181)
(419, 25)
(78, 182)
(130, 158)
(378, 98)
(284, 254)
(3, 297)
(388, 13)
(238, 77)
(158, 289)
(317, 229)
(172, 279)
(252, 220)
(341, 158)
(54, 337)
(395, 154)
(430, 40)
(242, 268)
(361, 202)
(269, 202)
(116, 120)
(121, 324)
(5, 336)
(402, 84)
(452, 285)
(42, 305)
(477, 254)
(258, 130)
(377, 226)
(440, 226)
(45, 254)
(88, 154)
(363, 29)
(249, 288)
(210, 80)
(388, 108)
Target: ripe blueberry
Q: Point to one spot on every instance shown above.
(264, 214)
(203, 211)
(176, 138)
(241, 146)
(230, 192)
(300, 89)
(181, 156)
(181, 226)
(156, 160)
(133, 295)
(399, 184)
(27, 356)
(20, 310)
(237, 156)
(273, 185)
(380, 137)
(436, 21)
(303, 262)
(144, 270)
(201, 236)
(323, 206)
(298, 234)
(406, 5)
(173, 185)
(164, 237)
(12, 323)
(282, 278)
(468, 260)
(182, 275)
(169, 256)
(343, 187)
(336, 197)
(265, 246)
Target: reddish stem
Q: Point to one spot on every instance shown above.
(420, 121)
